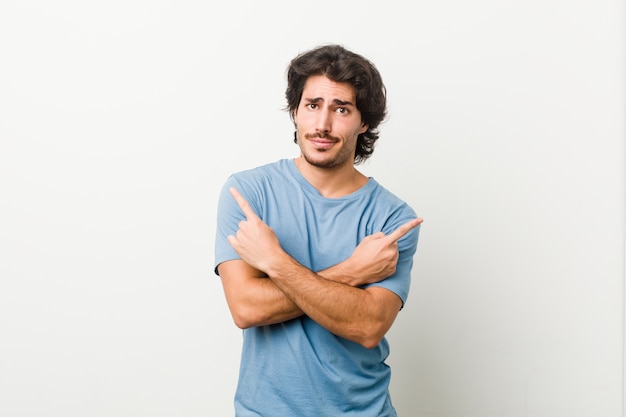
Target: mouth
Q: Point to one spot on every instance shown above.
(322, 142)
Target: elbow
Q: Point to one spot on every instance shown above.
(245, 322)
(372, 333)
(371, 342)
(241, 323)
(243, 317)
(246, 316)
(372, 337)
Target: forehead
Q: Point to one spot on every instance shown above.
(322, 87)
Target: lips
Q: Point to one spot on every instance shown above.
(322, 143)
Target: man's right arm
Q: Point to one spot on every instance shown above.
(255, 300)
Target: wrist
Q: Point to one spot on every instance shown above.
(339, 273)
(279, 265)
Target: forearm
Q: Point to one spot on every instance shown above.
(254, 300)
(263, 304)
(343, 273)
(374, 259)
(359, 315)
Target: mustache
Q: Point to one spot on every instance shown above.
(320, 135)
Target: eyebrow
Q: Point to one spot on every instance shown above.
(335, 101)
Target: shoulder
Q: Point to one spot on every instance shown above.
(261, 185)
(395, 211)
(268, 170)
(388, 200)
(262, 170)
(259, 178)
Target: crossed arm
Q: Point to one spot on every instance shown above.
(268, 286)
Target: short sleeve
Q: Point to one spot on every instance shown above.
(400, 281)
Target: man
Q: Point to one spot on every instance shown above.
(314, 256)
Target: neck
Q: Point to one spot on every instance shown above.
(332, 182)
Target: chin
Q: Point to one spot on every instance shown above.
(321, 162)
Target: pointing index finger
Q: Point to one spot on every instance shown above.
(404, 229)
(243, 204)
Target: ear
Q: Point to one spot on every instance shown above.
(364, 128)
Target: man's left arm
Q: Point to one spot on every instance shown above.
(361, 315)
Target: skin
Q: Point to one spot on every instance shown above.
(268, 286)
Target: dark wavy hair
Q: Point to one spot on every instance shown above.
(342, 66)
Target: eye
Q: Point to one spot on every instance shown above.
(342, 110)
(311, 106)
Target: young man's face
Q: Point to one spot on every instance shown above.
(328, 123)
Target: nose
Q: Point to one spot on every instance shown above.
(324, 122)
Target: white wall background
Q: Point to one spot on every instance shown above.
(120, 120)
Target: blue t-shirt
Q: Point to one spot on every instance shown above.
(297, 367)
